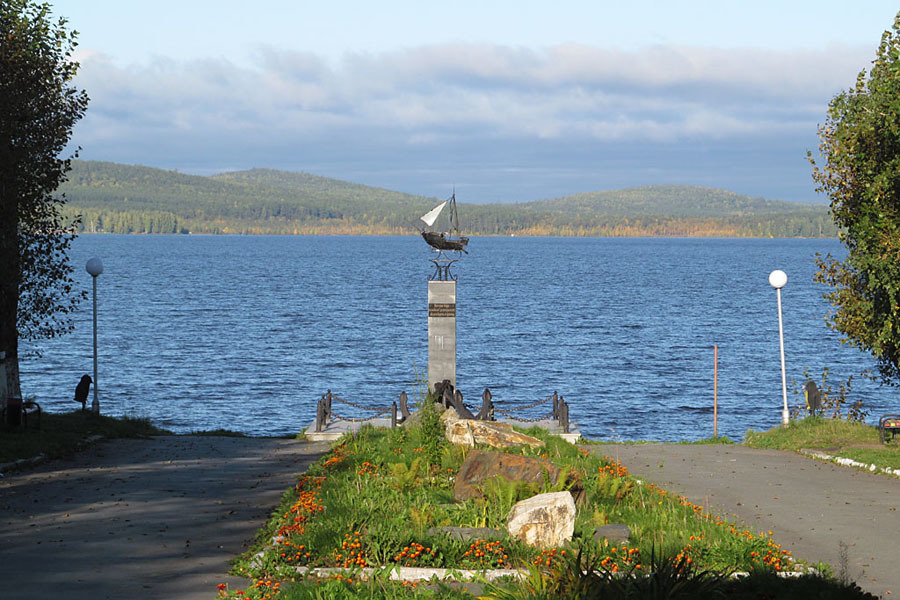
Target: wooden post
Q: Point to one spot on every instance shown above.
(715, 391)
(320, 414)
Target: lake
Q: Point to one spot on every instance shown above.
(246, 332)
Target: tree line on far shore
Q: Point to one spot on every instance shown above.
(114, 198)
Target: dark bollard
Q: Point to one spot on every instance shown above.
(13, 411)
(328, 404)
(447, 396)
(813, 397)
(320, 414)
(487, 406)
(439, 392)
(404, 409)
(460, 407)
(564, 415)
(393, 415)
(82, 390)
(555, 405)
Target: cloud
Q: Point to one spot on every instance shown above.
(422, 103)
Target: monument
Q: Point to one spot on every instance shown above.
(449, 246)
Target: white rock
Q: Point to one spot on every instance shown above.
(543, 521)
(468, 432)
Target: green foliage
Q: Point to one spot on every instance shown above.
(583, 576)
(720, 439)
(39, 108)
(860, 146)
(833, 400)
(374, 499)
(430, 433)
(612, 488)
(379, 586)
(404, 476)
(117, 198)
(813, 432)
(837, 437)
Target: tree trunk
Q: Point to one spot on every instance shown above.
(9, 295)
(9, 380)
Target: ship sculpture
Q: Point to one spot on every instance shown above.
(444, 241)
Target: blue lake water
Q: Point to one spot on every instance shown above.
(245, 333)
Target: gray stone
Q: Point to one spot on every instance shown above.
(543, 521)
(467, 534)
(615, 533)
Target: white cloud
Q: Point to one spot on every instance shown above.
(492, 89)
(471, 95)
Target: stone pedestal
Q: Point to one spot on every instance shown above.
(441, 332)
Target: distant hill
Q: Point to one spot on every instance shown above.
(118, 198)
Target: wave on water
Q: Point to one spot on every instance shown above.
(252, 351)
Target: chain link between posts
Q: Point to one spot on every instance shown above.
(532, 405)
(361, 419)
(509, 414)
(360, 406)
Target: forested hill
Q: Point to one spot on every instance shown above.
(120, 198)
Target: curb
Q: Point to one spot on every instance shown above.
(23, 463)
(849, 462)
(467, 575)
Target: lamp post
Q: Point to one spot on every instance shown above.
(777, 279)
(95, 267)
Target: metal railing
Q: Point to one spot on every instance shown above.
(325, 411)
(449, 398)
(559, 411)
(453, 398)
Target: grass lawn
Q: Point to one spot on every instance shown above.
(61, 434)
(834, 436)
(376, 500)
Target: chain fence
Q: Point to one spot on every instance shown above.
(450, 399)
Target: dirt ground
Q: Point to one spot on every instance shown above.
(813, 507)
(157, 518)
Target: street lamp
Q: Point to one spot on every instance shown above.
(95, 267)
(777, 279)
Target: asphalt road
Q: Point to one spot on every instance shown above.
(811, 506)
(164, 517)
(158, 518)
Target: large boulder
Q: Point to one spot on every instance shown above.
(481, 465)
(468, 432)
(543, 521)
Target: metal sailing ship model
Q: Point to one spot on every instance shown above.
(444, 241)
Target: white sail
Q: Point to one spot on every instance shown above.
(431, 216)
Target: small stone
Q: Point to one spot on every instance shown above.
(467, 534)
(616, 533)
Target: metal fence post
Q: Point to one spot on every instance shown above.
(404, 409)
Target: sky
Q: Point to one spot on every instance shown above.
(505, 101)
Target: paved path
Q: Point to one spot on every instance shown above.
(811, 506)
(159, 518)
